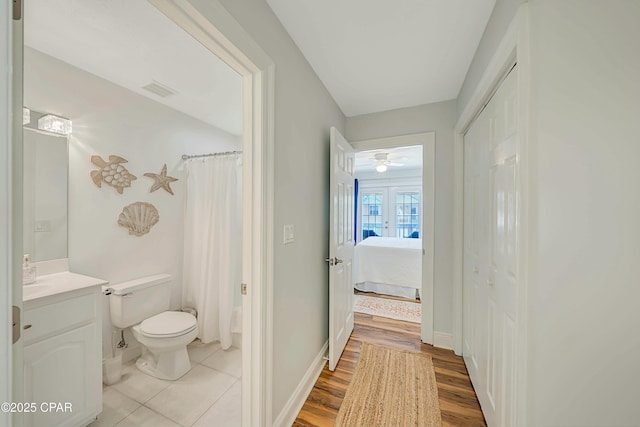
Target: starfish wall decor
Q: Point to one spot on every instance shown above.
(162, 180)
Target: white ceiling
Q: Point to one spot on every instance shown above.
(402, 158)
(131, 43)
(378, 55)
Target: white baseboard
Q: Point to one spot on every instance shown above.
(442, 340)
(296, 401)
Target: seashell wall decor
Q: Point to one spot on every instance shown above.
(162, 180)
(138, 217)
(111, 172)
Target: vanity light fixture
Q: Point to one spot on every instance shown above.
(381, 168)
(26, 115)
(55, 124)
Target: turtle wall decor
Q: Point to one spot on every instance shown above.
(112, 173)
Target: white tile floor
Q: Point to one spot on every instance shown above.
(209, 394)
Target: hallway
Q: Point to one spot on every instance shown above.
(458, 403)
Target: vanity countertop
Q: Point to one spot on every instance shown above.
(58, 283)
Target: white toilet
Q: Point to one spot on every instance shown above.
(143, 305)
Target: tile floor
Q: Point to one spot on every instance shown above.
(210, 391)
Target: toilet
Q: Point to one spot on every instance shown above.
(143, 305)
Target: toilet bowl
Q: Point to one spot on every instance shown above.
(164, 338)
(143, 305)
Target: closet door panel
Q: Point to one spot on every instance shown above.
(490, 276)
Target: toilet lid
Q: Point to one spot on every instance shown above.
(168, 324)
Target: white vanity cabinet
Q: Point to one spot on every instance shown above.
(62, 357)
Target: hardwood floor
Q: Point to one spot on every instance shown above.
(458, 402)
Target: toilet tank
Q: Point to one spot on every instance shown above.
(136, 300)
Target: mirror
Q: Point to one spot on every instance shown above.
(46, 171)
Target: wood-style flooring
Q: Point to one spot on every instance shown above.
(458, 402)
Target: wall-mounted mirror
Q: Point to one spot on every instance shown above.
(46, 171)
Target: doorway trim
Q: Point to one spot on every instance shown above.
(428, 142)
(8, 193)
(213, 26)
(513, 49)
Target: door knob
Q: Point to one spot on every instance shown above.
(333, 261)
(337, 261)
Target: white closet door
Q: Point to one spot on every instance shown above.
(491, 253)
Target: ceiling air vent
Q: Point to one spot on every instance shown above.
(159, 89)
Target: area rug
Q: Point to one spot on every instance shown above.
(394, 309)
(391, 388)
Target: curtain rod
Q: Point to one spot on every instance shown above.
(195, 156)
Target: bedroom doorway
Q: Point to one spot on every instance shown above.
(394, 226)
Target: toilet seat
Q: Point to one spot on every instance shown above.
(168, 324)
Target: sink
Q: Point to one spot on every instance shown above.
(32, 291)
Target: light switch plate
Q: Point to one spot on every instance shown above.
(288, 234)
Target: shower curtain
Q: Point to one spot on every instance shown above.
(212, 265)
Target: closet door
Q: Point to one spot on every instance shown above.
(475, 252)
(491, 253)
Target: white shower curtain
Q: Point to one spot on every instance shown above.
(212, 264)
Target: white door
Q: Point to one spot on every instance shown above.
(475, 229)
(491, 251)
(341, 244)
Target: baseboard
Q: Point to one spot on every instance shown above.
(442, 340)
(291, 409)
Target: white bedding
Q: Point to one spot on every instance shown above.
(388, 261)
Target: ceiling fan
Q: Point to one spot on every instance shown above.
(382, 162)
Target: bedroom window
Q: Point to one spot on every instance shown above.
(407, 214)
(371, 214)
(393, 211)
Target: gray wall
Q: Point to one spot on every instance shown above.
(439, 118)
(586, 208)
(304, 113)
(501, 17)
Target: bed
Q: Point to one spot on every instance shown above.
(388, 265)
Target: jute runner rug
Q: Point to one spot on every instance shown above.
(391, 388)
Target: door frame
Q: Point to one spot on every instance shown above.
(514, 48)
(428, 142)
(10, 232)
(213, 26)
